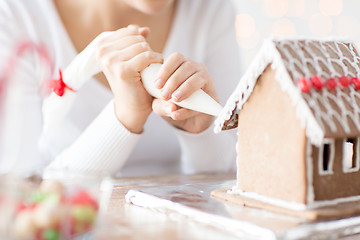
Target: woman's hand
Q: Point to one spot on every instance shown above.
(178, 78)
(122, 56)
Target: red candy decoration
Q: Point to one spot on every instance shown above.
(356, 82)
(317, 82)
(304, 85)
(84, 198)
(22, 206)
(331, 83)
(58, 86)
(344, 81)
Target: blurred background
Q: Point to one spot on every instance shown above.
(259, 19)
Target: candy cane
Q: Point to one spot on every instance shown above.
(20, 49)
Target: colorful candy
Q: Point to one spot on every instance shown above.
(42, 215)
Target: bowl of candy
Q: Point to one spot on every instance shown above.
(65, 206)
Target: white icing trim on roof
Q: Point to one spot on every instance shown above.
(269, 55)
(311, 38)
(249, 78)
(328, 107)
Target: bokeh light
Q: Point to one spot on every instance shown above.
(294, 18)
(296, 8)
(320, 25)
(245, 25)
(249, 42)
(250, 56)
(275, 8)
(331, 7)
(283, 28)
(348, 26)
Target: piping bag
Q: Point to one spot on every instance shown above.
(84, 66)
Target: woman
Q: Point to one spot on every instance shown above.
(110, 126)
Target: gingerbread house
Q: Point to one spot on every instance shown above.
(297, 110)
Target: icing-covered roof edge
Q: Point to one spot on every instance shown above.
(267, 55)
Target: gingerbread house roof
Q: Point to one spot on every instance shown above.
(329, 108)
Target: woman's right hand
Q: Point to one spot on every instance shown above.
(122, 56)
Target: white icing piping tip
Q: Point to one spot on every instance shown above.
(199, 101)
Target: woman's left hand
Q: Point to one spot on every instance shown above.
(178, 78)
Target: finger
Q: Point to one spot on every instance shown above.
(192, 84)
(181, 75)
(122, 32)
(119, 44)
(183, 114)
(173, 62)
(163, 108)
(130, 52)
(144, 59)
(144, 31)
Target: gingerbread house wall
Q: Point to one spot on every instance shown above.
(271, 144)
(338, 183)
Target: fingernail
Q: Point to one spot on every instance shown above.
(158, 83)
(165, 94)
(177, 95)
(174, 115)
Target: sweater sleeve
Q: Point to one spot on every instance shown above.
(103, 147)
(209, 152)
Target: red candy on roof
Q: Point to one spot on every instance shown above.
(317, 82)
(331, 83)
(356, 82)
(304, 85)
(344, 81)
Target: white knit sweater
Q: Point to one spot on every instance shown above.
(91, 138)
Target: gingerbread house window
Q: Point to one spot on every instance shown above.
(351, 155)
(326, 157)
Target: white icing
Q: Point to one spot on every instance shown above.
(273, 201)
(243, 229)
(198, 101)
(310, 195)
(292, 205)
(333, 202)
(347, 166)
(237, 156)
